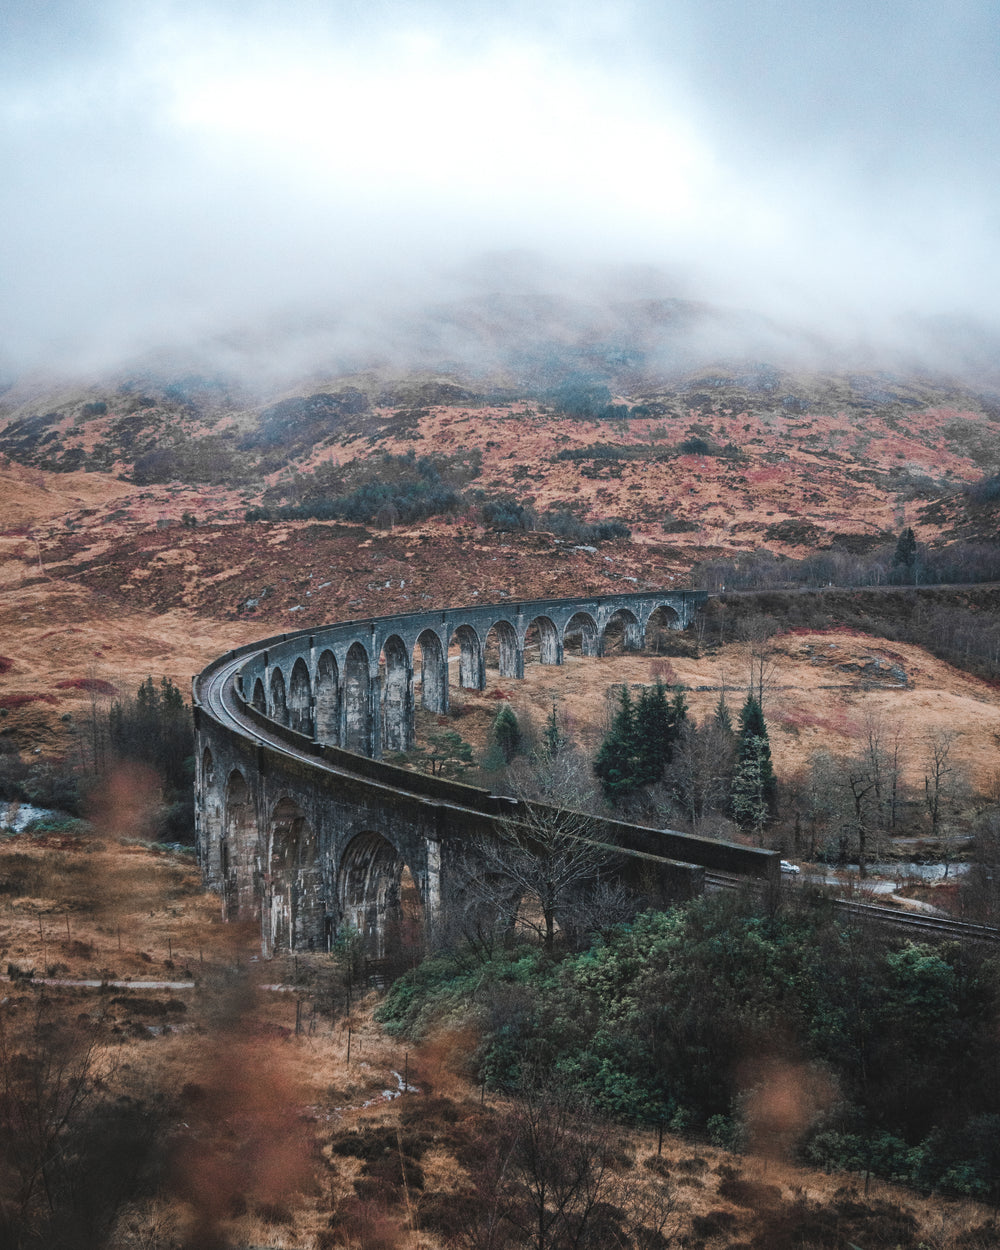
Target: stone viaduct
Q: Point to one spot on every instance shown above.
(302, 825)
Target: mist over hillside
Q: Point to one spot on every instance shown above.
(266, 191)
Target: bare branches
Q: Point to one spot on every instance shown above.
(543, 853)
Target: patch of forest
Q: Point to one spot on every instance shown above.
(681, 1018)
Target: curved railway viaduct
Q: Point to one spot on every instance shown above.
(303, 826)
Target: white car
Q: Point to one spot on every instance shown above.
(787, 867)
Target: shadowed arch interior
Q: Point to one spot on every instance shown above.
(292, 916)
(433, 672)
(397, 696)
(279, 705)
(328, 699)
(300, 699)
(622, 632)
(470, 658)
(357, 701)
(501, 649)
(372, 883)
(580, 635)
(661, 623)
(541, 641)
(259, 699)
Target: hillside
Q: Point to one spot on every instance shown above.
(126, 549)
(714, 461)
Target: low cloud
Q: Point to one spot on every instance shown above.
(312, 179)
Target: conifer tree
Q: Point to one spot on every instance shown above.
(616, 761)
(906, 549)
(755, 788)
(722, 717)
(658, 725)
(553, 739)
(506, 732)
(652, 727)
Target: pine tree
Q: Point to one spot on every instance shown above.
(658, 725)
(506, 732)
(616, 763)
(553, 739)
(906, 549)
(755, 788)
(722, 716)
(751, 808)
(652, 722)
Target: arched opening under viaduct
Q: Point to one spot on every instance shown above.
(464, 648)
(622, 633)
(357, 701)
(328, 699)
(292, 915)
(397, 695)
(541, 642)
(379, 899)
(259, 700)
(662, 623)
(500, 650)
(300, 717)
(279, 705)
(580, 635)
(237, 846)
(432, 670)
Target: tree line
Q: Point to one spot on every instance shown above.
(152, 730)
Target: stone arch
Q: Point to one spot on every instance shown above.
(501, 645)
(300, 715)
(662, 620)
(543, 635)
(357, 701)
(471, 675)
(397, 695)
(433, 672)
(370, 887)
(292, 911)
(328, 699)
(279, 703)
(237, 847)
(259, 700)
(621, 632)
(580, 635)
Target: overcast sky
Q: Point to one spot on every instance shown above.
(178, 171)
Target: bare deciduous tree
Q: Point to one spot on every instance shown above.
(761, 662)
(940, 775)
(701, 774)
(545, 851)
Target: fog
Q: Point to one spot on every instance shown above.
(297, 183)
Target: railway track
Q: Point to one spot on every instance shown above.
(914, 923)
